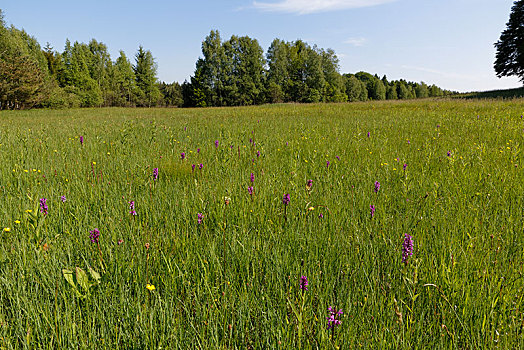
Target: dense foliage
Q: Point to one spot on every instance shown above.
(238, 228)
(509, 58)
(236, 73)
(230, 73)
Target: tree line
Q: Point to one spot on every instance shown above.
(235, 72)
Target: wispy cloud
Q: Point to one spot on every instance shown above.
(355, 41)
(303, 7)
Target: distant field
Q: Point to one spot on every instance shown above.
(205, 264)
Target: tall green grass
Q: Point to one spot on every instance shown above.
(233, 280)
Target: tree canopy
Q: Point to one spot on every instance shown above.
(509, 59)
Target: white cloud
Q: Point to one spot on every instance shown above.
(355, 41)
(312, 6)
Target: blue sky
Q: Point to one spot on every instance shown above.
(443, 42)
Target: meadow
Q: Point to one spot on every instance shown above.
(100, 250)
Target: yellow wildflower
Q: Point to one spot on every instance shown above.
(7, 229)
(150, 287)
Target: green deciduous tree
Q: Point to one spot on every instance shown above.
(374, 86)
(435, 91)
(230, 73)
(378, 90)
(245, 85)
(303, 68)
(277, 75)
(391, 91)
(421, 90)
(403, 92)
(364, 94)
(100, 66)
(213, 70)
(301, 73)
(334, 87)
(353, 88)
(24, 79)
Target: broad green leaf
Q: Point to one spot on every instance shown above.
(68, 275)
(94, 274)
(82, 279)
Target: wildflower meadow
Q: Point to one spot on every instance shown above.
(331, 226)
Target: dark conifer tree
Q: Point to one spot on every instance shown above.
(145, 73)
(509, 59)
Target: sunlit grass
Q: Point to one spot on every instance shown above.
(232, 281)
